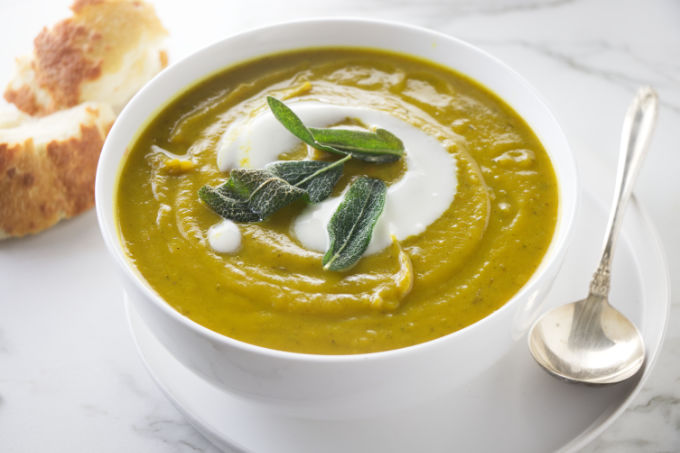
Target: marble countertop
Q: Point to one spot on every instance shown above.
(70, 379)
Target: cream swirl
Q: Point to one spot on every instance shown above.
(415, 201)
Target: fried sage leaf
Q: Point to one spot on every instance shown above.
(254, 195)
(316, 177)
(380, 146)
(351, 227)
(295, 126)
(250, 195)
(267, 193)
(228, 203)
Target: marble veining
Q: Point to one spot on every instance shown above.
(173, 433)
(4, 345)
(652, 422)
(70, 379)
(92, 410)
(486, 8)
(664, 403)
(586, 58)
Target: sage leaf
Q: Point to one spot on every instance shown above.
(254, 195)
(351, 227)
(316, 177)
(295, 126)
(380, 146)
(250, 195)
(267, 193)
(228, 204)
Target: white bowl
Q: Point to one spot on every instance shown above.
(346, 385)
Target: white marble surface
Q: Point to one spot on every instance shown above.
(70, 379)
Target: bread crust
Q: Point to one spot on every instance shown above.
(82, 71)
(43, 183)
(61, 65)
(70, 58)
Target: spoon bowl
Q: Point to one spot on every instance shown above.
(589, 341)
(611, 351)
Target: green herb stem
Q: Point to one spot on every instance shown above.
(335, 164)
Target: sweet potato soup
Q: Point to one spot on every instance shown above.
(469, 210)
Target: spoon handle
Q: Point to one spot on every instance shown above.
(637, 130)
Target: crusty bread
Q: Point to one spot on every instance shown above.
(47, 166)
(82, 72)
(105, 52)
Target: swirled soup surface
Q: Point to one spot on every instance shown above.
(273, 292)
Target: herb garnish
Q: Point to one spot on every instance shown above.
(253, 195)
(316, 177)
(380, 146)
(351, 227)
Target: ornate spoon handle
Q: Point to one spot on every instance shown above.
(637, 130)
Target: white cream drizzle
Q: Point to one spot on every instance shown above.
(415, 201)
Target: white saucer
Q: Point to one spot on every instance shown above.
(513, 407)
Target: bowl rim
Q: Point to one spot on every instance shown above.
(552, 257)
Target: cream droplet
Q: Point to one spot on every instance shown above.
(225, 237)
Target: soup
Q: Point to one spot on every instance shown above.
(469, 213)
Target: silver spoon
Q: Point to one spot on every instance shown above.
(590, 341)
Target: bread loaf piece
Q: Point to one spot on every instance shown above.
(105, 52)
(81, 73)
(47, 166)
